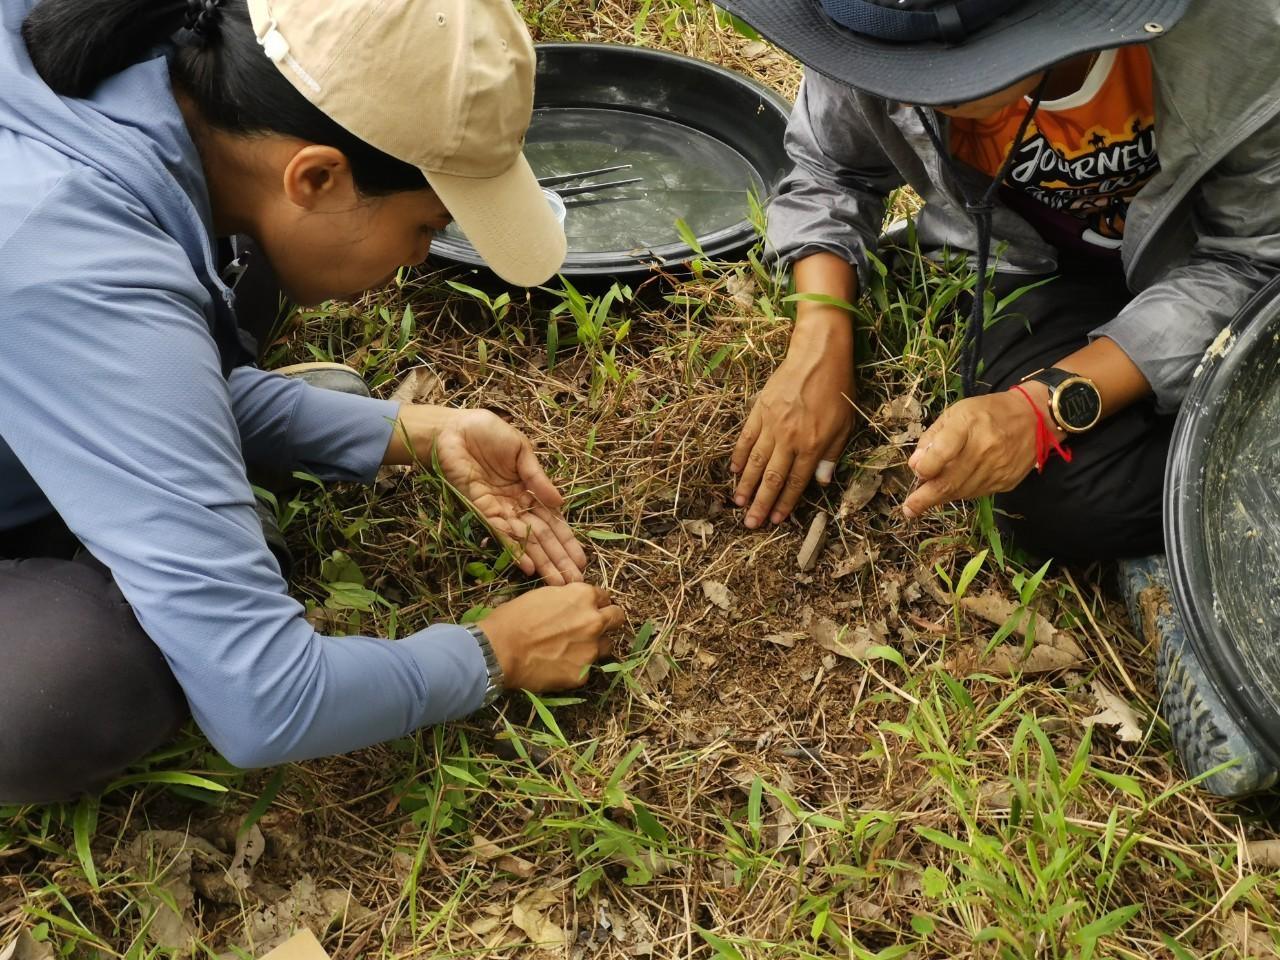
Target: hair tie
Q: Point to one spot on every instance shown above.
(202, 19)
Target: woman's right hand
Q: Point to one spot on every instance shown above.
(547, 638)
(803, 416)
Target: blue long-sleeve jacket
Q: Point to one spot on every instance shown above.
(119, 411)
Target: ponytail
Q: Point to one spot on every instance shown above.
(77, 44)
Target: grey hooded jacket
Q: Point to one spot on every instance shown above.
(1200, 239)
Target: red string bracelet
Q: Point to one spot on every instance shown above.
(1046, 443)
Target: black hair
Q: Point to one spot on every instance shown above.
(77, 44)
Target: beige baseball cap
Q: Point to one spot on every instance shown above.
(446, 85)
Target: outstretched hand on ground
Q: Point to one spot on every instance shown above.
(803, 416)
(801, 421)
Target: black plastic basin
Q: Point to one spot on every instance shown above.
(1222, 517)
(703, 139)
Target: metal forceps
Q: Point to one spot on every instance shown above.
(560, 184)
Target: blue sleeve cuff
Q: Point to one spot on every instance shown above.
(339, 436)
(453, 668)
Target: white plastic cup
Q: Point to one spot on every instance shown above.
(556, 202)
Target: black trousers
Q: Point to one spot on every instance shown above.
(83, 691)
(1106, 503)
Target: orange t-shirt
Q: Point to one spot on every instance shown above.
(1084, 157)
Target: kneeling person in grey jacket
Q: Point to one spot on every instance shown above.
(1050, 140)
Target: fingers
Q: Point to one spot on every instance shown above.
(551, 500)
(962, 479)
(826, 469)
(802, 469)
(613, 618)
(553, 535)
(752, 468)
(538, 537)
(830, 459)
(534, 561)
(977, 447)
(525, 562)
(941, 444)
(773, 478)
(571, 545)
(553, 548)
(775, 467)
(559, 544)
(537, 548)
(934, 493)
(805, 467)
(535, 479)
(924, 498)
(610, 613)
(753, 471)
(604, 604)
(564, 533)
(609, 617)
(746, 441)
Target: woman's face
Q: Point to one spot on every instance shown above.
(326, 241)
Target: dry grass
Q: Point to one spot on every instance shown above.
(714, 793)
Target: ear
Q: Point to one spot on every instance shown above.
(318, 178)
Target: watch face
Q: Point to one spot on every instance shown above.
(1078, 405)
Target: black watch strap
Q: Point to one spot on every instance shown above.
(1051, 377)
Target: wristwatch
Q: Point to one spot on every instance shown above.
(497, 682)
(1074, 401)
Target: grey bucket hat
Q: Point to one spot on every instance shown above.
(938, 52)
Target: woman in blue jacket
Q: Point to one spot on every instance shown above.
(136, 588)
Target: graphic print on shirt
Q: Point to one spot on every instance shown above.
(1095, 186)
(1087, 155)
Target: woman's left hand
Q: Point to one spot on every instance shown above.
(980, 445)
(493, 466)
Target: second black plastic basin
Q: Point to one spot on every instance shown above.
(702, 139)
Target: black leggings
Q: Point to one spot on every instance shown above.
(1106, 503)
(83, 692)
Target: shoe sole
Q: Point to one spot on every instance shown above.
(1204, 732)
(337, 377)
(294, 369)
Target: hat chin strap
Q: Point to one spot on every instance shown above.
(982, 211)
(948, 22)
